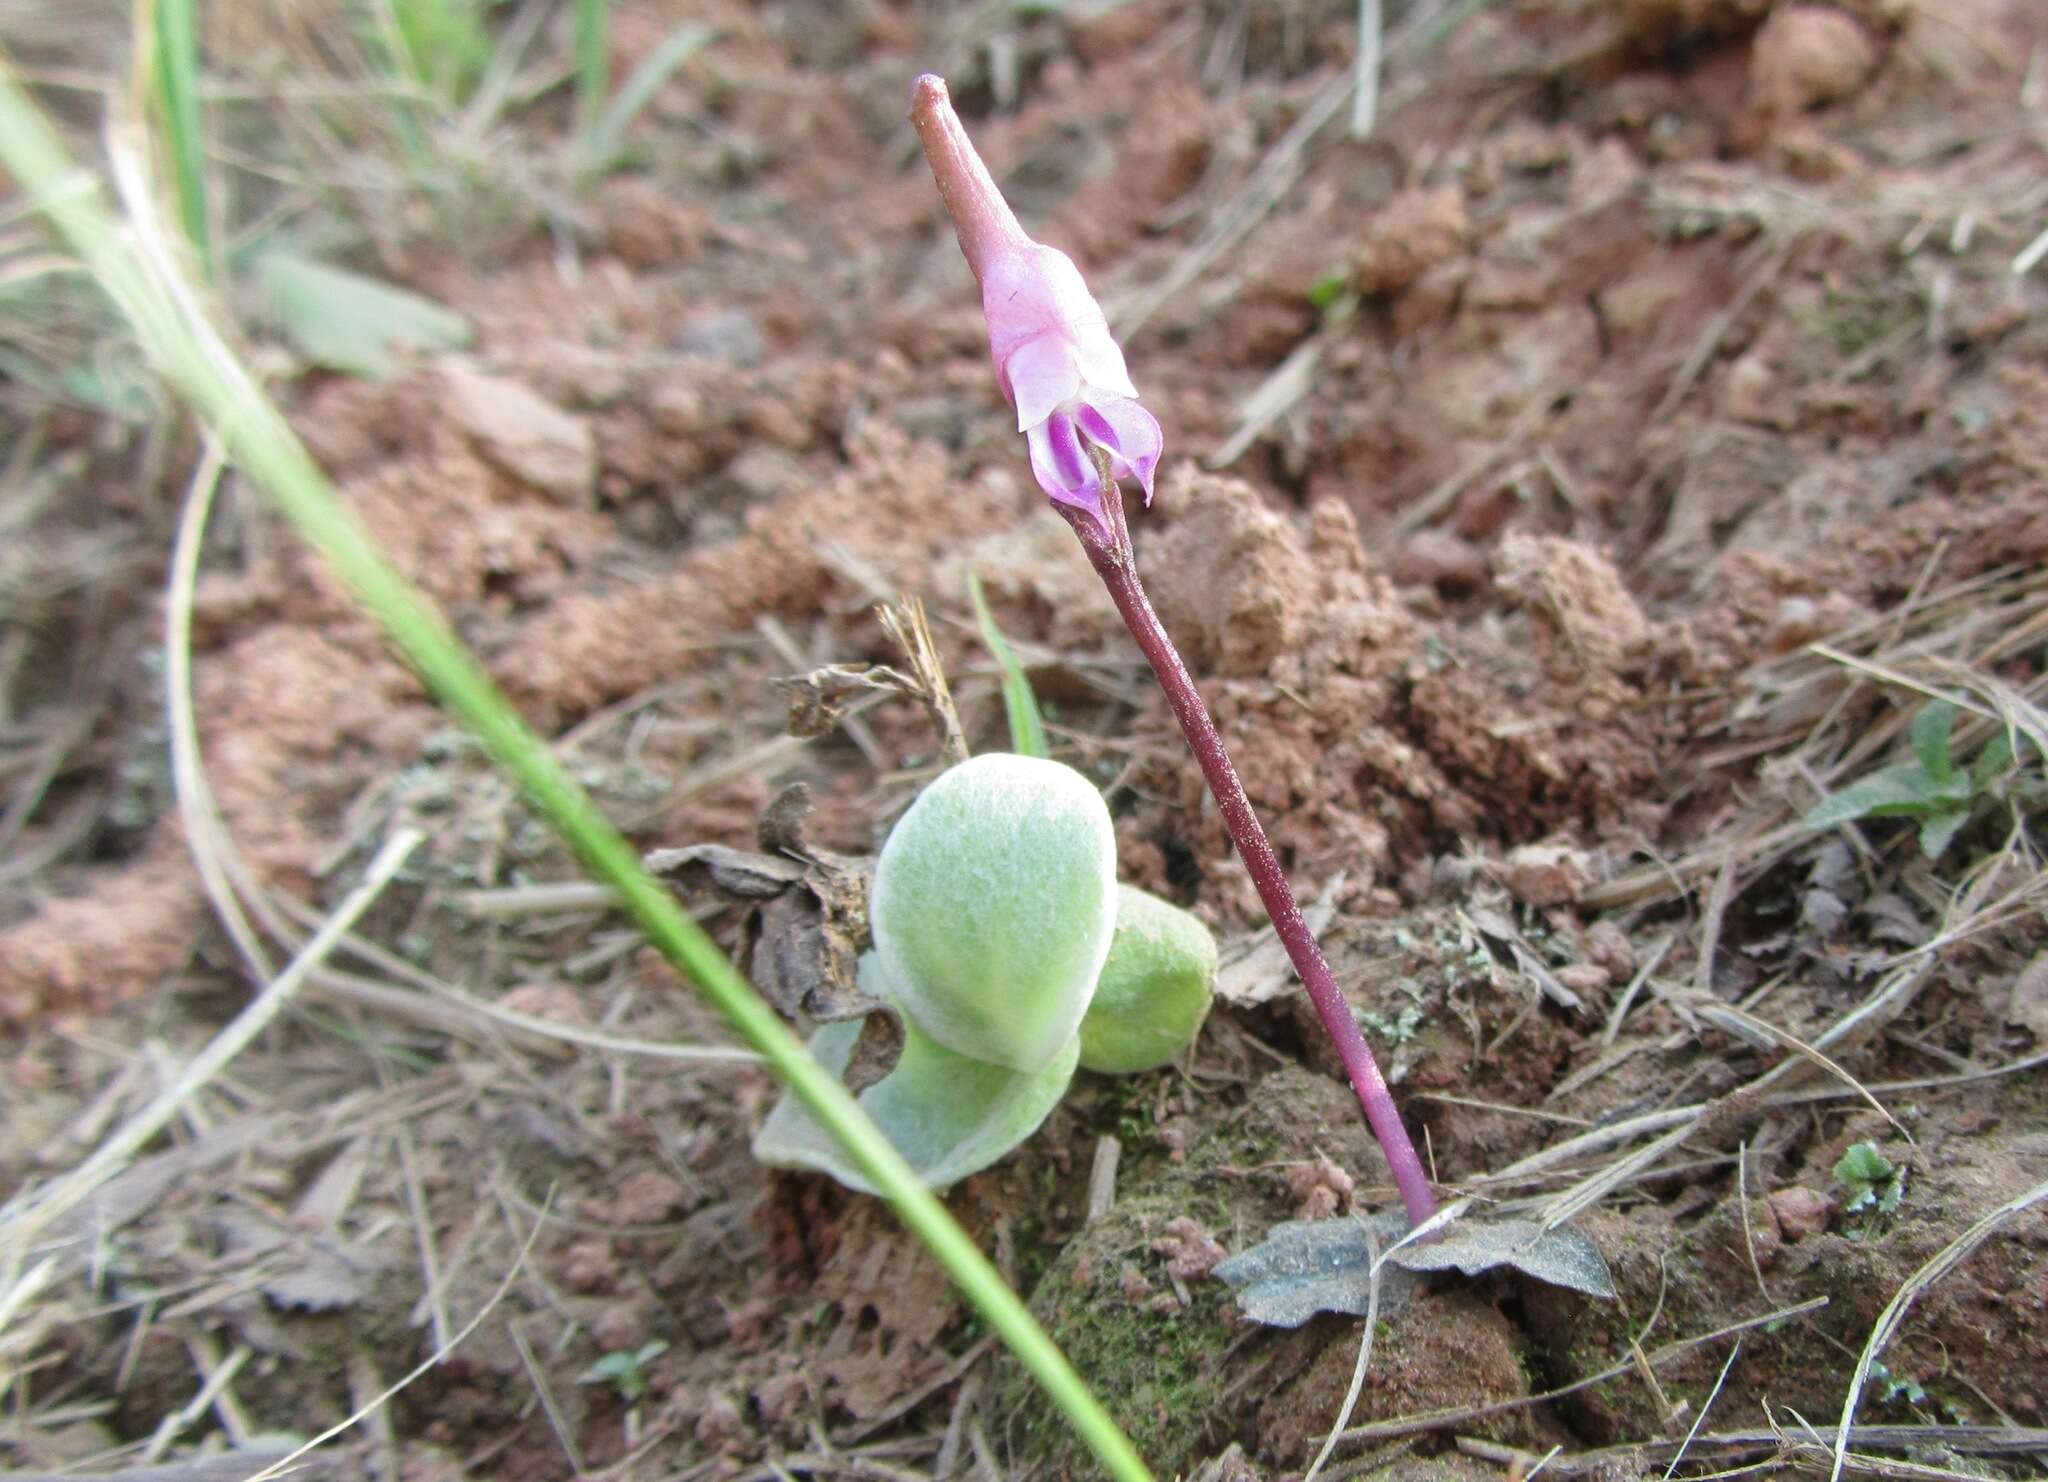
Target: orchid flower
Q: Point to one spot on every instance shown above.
(1065, 374)
(1055, 358)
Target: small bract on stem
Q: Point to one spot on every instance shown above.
(1065, 374)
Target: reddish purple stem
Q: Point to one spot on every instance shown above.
(1109, 551)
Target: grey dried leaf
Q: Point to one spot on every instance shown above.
(807, 910)
(322, 1277)
(317, 1273)
(1493, 920)
(1822, 912)
(803, 959)
(2027, 1006)
(1304, 1267)
(1561, 1256)
(785, 823)
(737, 873)
(1231, 1466)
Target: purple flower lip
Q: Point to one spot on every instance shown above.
(1055, 358)
(1127, 433)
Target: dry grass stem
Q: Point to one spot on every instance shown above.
(1709, 343)
(423, 1233)
(1359, 1369)
(1888, 1321)
(1102, 1176)
(910, 630)
(1653, 960)
(27, 1215)
(284, 1464)
(537, 1375)
(1889, 998)
(1785, 1450)
(1405, 1425)
(519, 902)
(1725, 1015)
(1734, 1352)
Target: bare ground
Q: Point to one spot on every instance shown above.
(1620, 445)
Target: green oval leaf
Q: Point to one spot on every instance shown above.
(993, 908)
(948, 1115)
(1929, 733)
(1154, 989)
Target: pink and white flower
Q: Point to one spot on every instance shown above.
(1055, 357)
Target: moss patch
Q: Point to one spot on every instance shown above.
(1156, 1365)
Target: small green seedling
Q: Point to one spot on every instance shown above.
(1873, 1181)
(1931, 787)
(1012, 956)
(1889, 1387)
(1325, 291)
(625, 1370)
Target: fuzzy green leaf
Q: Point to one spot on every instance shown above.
(346, 322)
(1154, 990)
(1904, 789)
(1938, 830)
(1993, 757)
(994, 905)
(948, 1116)
(1931, 730)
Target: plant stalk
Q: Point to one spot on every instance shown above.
(1109, 549)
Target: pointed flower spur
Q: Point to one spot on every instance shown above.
(1055, 358)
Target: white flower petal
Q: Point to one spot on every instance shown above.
(1040, 373)
(1102, 360)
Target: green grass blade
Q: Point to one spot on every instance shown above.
(445, 44)
(607, 137)
(177, 93)
(593, 59)
(145, 283)
(1027, 726)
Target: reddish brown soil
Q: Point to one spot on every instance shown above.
(1655, 340)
